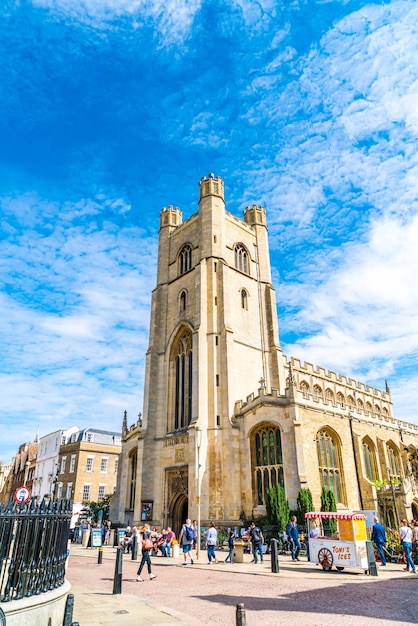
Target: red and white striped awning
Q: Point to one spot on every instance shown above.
(333, 515)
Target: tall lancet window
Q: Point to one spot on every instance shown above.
(241, 259)
(181, 369)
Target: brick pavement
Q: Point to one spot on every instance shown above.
(200, 594)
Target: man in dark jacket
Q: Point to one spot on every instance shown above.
(293, 536)
(379, 538)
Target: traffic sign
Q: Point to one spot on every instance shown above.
(22, 494)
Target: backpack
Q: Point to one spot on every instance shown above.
(256, 535)
(189, 533)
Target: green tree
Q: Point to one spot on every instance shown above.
(328, 504)
(92, 510)
(304, 505)
(277, 507)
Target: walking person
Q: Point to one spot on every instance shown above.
(147, 546)
(293, 536)
(186, 539)
(379, 538)
(257, 540)
(211, 541)
(405, 534)
(231, 545)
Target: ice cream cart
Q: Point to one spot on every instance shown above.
(347, 548)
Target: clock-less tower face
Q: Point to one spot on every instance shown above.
(214, 336)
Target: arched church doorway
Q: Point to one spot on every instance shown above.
(414, 509)
(178, 512)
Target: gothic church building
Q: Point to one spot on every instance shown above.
(226, 414)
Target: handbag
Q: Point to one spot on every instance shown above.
(147, 544)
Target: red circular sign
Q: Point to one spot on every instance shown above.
(22, 494)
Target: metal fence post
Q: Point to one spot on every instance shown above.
(274, 553)
(240, 615)
(68, 613)
(117, 580)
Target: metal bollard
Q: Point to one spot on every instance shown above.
(371, 560)
(274, 552)
(240, 615)
(68, 612)
(100, 555)
(117, 580)
(134, 548)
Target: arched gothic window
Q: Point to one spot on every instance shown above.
(340, 398)
(317, 392)
(394, 464)
(244, 299)
(329, 395)
(185, 259)
(183, 301)
(304, 387)
(267, 460)
(133, 464)
(329, 462)
(385, 411)
(377, 409)
(369, 458)
(241, 258)
(350, 402)
(368, 407)
(181, 376)
(360, 405)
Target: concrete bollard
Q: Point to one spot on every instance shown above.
(240, 615)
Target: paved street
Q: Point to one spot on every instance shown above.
(201, 594)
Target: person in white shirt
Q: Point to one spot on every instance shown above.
(405, 534)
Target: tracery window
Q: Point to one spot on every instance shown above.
(181, 373)
(267, 461)
(304, 387)
(369, 458)
(350, 402)
(185, 259)
(385, 411)
(329, 462)
(360, 405)
(377, 409)
(241, 258)
(394, 465)
(329, 395)
(368, 407)
(340, 398)
(317, 392)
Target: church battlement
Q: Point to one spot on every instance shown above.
(330, 376)
(255, 215)
(170, 216)
(211, 186)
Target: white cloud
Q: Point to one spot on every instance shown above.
(173, 19)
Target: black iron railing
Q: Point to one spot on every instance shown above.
(33, 547)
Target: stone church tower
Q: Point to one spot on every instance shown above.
(225, 415)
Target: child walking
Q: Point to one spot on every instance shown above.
(231, 544)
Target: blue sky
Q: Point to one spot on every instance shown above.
(112, 109)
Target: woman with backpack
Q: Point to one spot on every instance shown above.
(211, 541)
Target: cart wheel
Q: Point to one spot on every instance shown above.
(339, 568)
(325, 559)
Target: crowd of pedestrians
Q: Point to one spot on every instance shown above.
(154, 542)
